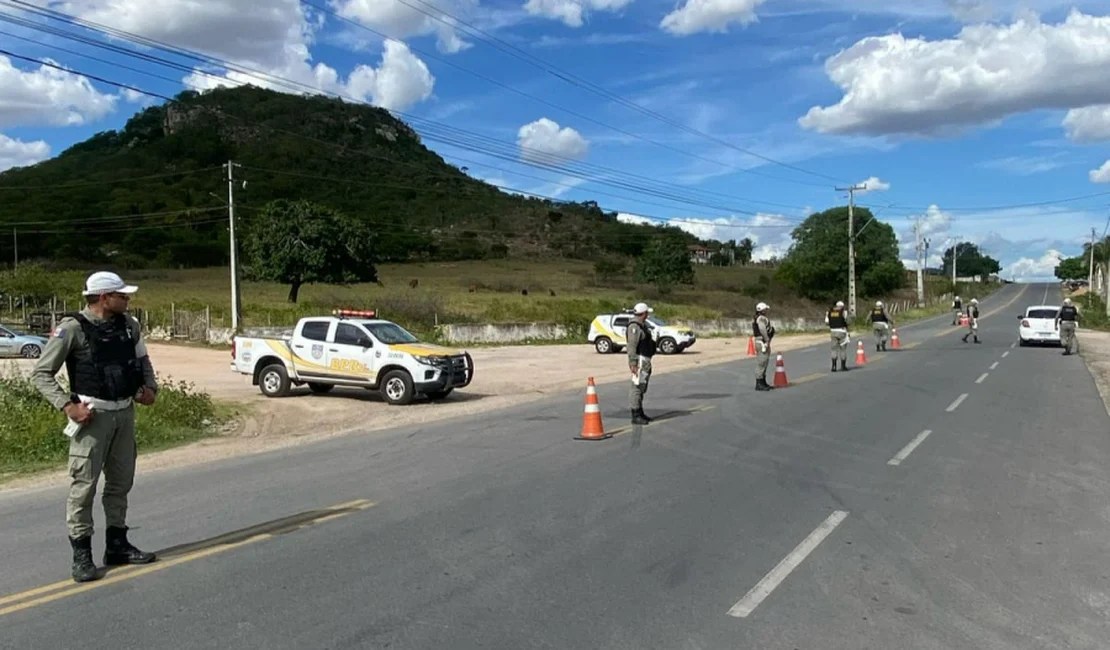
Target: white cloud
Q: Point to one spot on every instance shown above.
(544, 136)
(277, 43)
(16, 153)
(1024, 165)
(571, 12)
(1088, 124)
(1102, 174)
(709, 16)
(400, 21)
(50, 97)
(1029, 269)
(893, 84)
(400, 81)
(770, 233)
(873, 184)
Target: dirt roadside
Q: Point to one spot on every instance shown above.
(505, 376)
(1094, 347)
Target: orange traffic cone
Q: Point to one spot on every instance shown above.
(894, 342)
(861, 358)
(751, 346)
(780, 373)
(592, 429)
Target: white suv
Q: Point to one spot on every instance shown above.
(607, 333)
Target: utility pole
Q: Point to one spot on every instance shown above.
(235, 302)
(1091, 269)
(15, 245)
(920, 271)
(851, 245)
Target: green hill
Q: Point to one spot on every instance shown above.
(352, 157)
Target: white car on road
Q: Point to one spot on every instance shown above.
(1038, 325)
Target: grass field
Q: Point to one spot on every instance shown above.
(564, 291)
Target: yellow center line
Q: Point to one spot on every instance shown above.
(64, 589)
(697, 409)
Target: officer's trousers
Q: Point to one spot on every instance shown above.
(105, 443)
(838, 346)
(636, 392)
(1067, 335)
(762, 359)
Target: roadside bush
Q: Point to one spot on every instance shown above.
(31, 429)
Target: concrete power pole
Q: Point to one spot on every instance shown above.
(235, 301)
(920, 270)
(851, 245)
(1091, 269)
(15, 245)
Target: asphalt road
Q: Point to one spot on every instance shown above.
(820, 516)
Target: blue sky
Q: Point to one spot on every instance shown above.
(961, 113)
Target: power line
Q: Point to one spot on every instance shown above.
(433, 131)
(121, 217)
(567, 77)
(460, 144)
(74, 20)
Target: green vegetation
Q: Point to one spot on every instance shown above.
(664, 263)
(817, 265)
(352, 158)
(970, 261)
(31, 430)
(1072, 268)
(298, 243)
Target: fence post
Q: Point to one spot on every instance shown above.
(207, 323)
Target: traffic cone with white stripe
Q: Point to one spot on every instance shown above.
(592, 429)
(780, 373)
(894, 342)
(861, 356)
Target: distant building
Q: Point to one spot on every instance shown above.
(699, 254)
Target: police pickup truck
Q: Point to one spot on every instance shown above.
(352, 348)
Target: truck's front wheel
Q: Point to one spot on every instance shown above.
(397, 387)
(273, 381)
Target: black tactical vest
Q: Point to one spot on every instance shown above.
(646, 346)
(878, 315)
(973, 311)
(109, 370)
(837, 320)
(958, 304)
(1068, 312)
(758, 334)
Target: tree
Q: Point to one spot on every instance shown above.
(817, 265)
(664, 263)
(1072, 268)
(744, 251)
(970, 261)
(300, 242)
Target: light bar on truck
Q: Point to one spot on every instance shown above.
(355, 313)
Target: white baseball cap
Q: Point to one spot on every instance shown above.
(839, 303)
(642, 308)
(103, 282)
(762, 307)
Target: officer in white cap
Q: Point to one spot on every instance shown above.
(106, 361)
(837, 320)
(763, 332)
(1066, 320)
(641, 348)
(972, 320)
(881, 322)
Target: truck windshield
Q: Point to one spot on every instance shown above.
(390, 333)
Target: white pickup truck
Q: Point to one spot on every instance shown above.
(352, 348)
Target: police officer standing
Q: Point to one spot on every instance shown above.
(1065, 322)
(108, 368)
(763, 332)
(837, 320)
(641, 348)
(972, 320)
(881, 323)
(957, 309)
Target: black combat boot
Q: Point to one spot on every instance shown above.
(884, 346)
(878, 347)
(844, 365)
(83, 568)
(761, 384)
(834, 365)
(119, 551)
(638, 417)
(645, 416)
